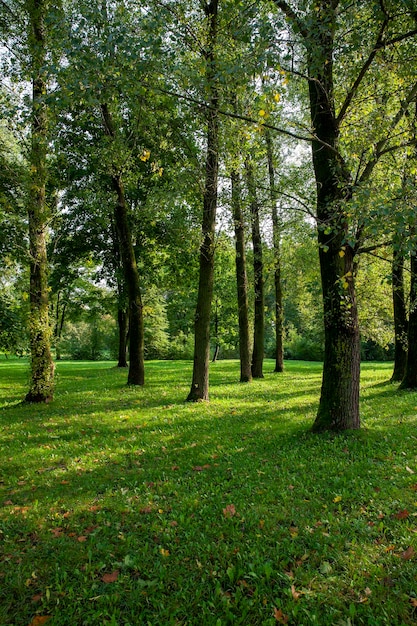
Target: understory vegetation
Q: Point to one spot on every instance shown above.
(125, 505)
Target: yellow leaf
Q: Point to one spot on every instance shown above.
(145, 155)
(337, 499)
(341, 253)
(164, 552)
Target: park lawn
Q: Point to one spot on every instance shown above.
(128, 506)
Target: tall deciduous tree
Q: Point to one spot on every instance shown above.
(200, 381)
(42, 368)
(241, 279)
(276, 241)
(338, 239)
(258, 276)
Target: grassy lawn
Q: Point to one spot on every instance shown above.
(126, 506)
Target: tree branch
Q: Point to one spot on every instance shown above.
(353, 90)
(380, 147)
(292, 16)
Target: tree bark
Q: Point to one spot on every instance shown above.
(123, 325)
(42, 368)
(200, 381)
(136, 373)
(259, 317)
(410, 375)
(400, 316)
(276, 238)
(241, 281)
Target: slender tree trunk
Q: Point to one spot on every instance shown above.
(339, 400)
(276, 237)
(241, 281)
(216, 334)
(400, 316)
(136, 374)
(410, 375)
(42, 367)
(200, 381)
(259, 317)
(123, 325)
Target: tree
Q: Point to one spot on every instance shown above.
(338, 242)
(276, 237)
(200, 380)
(42, 367)
(258, 276)
(241, 278)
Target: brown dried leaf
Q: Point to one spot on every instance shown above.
(408, 554)
(295, 594)
(229, 510)
(82, 538)
(110, 578)
(401, 514)
(280, 616)
(38, 620)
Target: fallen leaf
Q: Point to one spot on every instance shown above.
(57, 532)
(229, 510)
(409, 470)
(337, 499)
(280, 616)
(408, 554)
(82, 538)
(401, 514)
(164, 552)
(94, 508)
(110, 578)
(145, 510)
(38, 620)
(36, 597)
(413, 602)
(294, 531)
(295, 594)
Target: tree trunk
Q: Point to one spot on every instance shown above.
(216, 334)
(200, 381)
(42, 367)
(276, 237)
(136, 374)
(123, 324)
(410, 376)
(339, 400)
(400, 316)
(241, 281)
(259, 318)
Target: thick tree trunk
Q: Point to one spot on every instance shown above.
(241, 281)
(276, 237)
(200, 381)
(259, 317)
(410, 376)
(339, 400)
(42, 367)
(136, 373)
(400, 316)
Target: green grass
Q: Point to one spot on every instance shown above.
(228, 512)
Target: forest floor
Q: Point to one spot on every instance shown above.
(128, 506)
